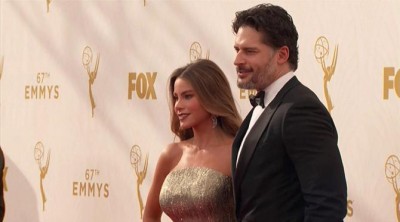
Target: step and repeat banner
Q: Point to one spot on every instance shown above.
(83, 98)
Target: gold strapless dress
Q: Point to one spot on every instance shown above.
(198, 194)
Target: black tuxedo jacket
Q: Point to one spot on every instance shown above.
(290, 167)
(2, 204)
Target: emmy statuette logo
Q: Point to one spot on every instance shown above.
(1, 66)
(87, 57)
(196, 52)
(392, 171)
(136, 158)
(39, 154)
(48, 5)
(321, 52)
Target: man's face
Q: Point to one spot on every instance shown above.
(256, 62)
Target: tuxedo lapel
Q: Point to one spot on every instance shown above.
(251, 141)
(256, 132)
(238, 139)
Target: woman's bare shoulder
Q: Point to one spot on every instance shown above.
(171, 155)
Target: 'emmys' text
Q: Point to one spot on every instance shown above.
(90, 188)
(41, 91)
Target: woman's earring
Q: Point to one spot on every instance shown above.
(214, 121)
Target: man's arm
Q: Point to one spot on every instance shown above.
(311, 141)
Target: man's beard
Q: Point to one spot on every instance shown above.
(257, 81)
(246, 85)
(251, 82)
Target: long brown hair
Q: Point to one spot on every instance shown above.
(214, 93)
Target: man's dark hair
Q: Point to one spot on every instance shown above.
(276, 26)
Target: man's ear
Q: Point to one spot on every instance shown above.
(283, 55)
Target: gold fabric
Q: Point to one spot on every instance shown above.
(198, 195)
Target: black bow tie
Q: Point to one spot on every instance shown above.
(258, 99)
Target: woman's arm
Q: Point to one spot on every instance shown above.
(166, 162)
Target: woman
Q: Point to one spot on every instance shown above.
(192, 181)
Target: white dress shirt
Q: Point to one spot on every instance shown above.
(270, 92)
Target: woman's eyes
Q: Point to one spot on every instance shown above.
(188, 96)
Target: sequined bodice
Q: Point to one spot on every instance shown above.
(198, 195)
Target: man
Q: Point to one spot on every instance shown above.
(286, 164)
